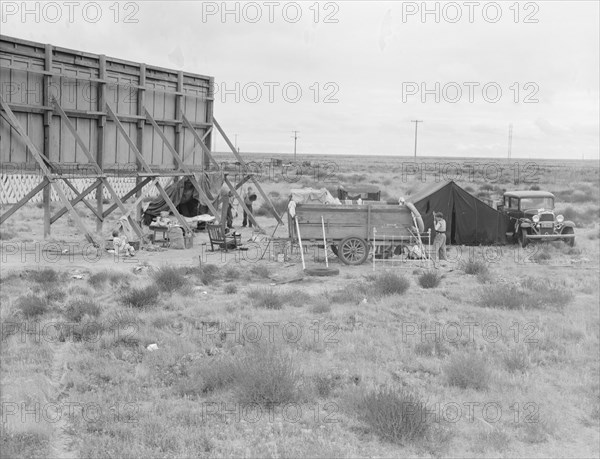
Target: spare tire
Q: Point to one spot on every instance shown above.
(322, 271)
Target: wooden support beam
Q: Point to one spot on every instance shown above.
(125, 197)
(139, 199)
(130, 142)
(241, 201)
(80, 197)
(198, 139)
(75, 215)
(24, 200)
(119, 203)
(180, 164)
(173, 208)
(141, 103)
(77, 137)
(14, 122)
(148, 169)
(136, 228)
(47, 144)
(100, 144)
(42, 163)
(243, 163)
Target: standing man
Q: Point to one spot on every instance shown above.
(439, 243)
(249, 197)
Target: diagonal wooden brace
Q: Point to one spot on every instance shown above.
(136, 228)
(241, 201)
(180, 163)
(242, 162)
(80, 197)
(42, 162)
(125, 197)
(43, 184)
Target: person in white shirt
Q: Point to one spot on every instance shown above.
(439, 242)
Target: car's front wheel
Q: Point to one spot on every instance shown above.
(571, 240)
(523, 239)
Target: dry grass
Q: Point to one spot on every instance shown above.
(267, 298)
(474, 267)
(143, 297)
(396, 416)
(78, 308)
(267, 375)
(351, 358)
(468, 370)
(430, 279)
(32, 306)
(169, 279)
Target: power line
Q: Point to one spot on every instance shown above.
(416, 126)
(295, 141)
(510, 126)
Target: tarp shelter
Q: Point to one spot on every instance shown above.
(185, 196)
(469, 221)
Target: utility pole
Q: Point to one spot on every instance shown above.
(416, 126)
(509, 141)
(295, 141)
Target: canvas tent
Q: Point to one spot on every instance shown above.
(469, 220)
(186, 198)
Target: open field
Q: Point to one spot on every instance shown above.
(495, 354)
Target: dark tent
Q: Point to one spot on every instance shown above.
(185, 197)
(469, 221)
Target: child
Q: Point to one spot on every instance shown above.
(121, 246)
(163, 220)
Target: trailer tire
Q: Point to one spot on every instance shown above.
(353, 251)
(322, 272)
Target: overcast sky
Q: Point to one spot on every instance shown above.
(350, 76)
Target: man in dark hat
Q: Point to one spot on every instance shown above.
(249, 196)
(439, 242)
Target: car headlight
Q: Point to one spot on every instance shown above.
(536, 218)
(560, 218)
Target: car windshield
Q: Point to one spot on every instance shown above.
(537, 203)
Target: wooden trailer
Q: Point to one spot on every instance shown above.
(355, 231)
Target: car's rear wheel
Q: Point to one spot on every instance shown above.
(523, 239)
(571, 240)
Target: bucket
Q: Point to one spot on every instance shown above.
(188, 240)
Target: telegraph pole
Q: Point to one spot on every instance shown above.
(416, 126)
(509, 141)
(295, 141)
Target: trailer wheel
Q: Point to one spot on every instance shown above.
(322, 272)
(353, 251)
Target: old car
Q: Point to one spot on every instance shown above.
(534, 219)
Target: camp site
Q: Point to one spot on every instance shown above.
(216, 244)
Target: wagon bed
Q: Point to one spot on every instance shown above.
(353, 230)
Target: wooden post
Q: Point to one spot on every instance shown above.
(100, 140)
(177, 141)
(47, 123)
(141, 109)
(209, 119)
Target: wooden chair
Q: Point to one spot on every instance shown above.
(218, 238)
